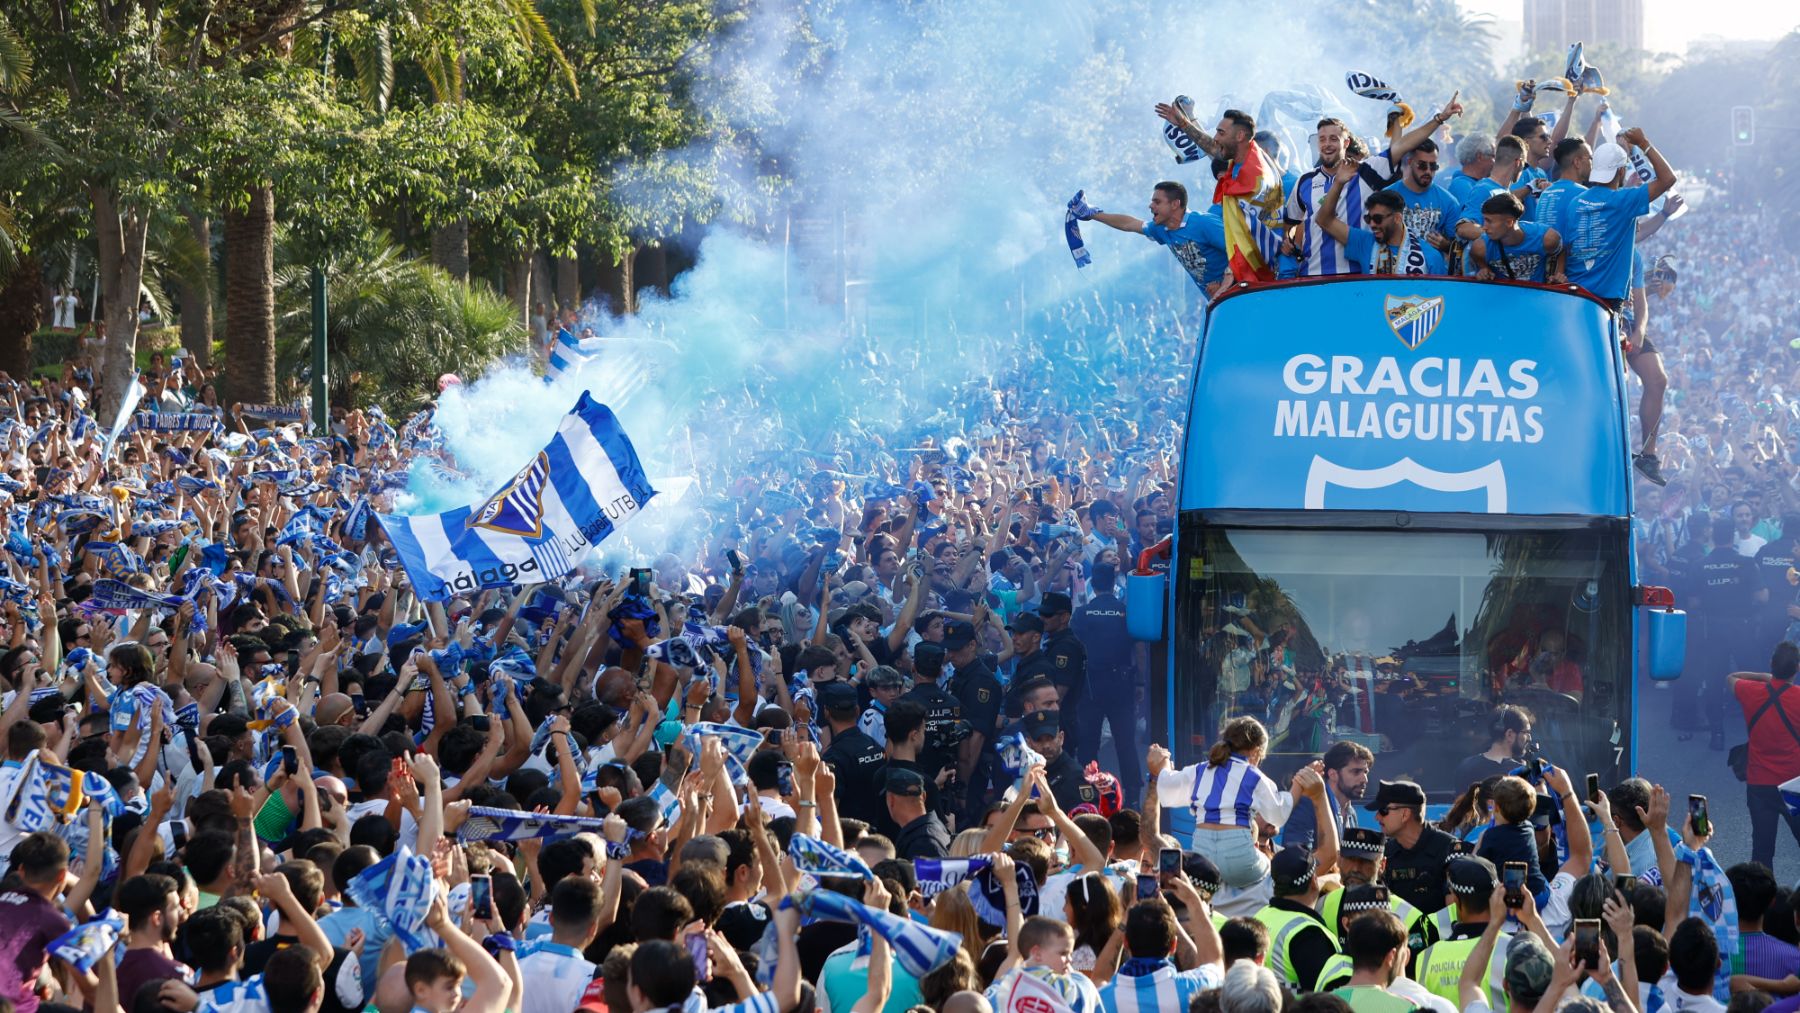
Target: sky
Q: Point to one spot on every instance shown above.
(1670, 24)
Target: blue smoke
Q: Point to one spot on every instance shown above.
(916, 250)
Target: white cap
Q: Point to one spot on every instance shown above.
(1609, 158)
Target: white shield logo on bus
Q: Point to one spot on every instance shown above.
(1323, 475)
(1413, 317)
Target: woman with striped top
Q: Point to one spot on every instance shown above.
(1226, 794)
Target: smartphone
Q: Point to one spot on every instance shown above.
(1513, 876)
(481, 896)
(1623, 884)
(1587, 941)
(697, 949)
(358, 701)
(640, 581)
(1593, 787)
(784, 778)
(290, 760)
(480, 723)
(1697, 812)
(1168, 863)
(772, 737)
(1146, 887)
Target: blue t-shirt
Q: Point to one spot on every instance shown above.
(1529, 177)
(1550, 204)
(1435, 210)
(1405, 258)
(1525, 261)
(1198, 244)
(1601, 234)
(1475, 195)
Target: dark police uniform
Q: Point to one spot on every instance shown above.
(1068, 664)
(1063, 774)
(1727, 586)
(942, 711)
(1111, 689)
(978, 694)
(857, 761)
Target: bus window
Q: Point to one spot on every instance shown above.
(1404, 641)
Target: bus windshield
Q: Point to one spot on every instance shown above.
(1404, 641)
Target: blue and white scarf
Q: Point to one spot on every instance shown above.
(279, 414)
(1077, 213)
(115, 557)
(935, 875)
(1713, 902)
(486, 823)
(919, 949)
(1184, 147)
(817, 858)
(84, 945)
(398, 889)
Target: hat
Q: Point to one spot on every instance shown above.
(905, 782)
(1543, 812)
(1055, 603)
(49, 710)
(836, 697)
(1201, 871)
(1609, 158)
(1529, 967)
(1363, 844)
(1041, 725)
(958, 634)
(1470, 876)
(886, 677)
(1401, 793)
(1292, 868)
(1026, 622)
(1362, 897)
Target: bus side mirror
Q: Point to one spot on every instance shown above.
(1668, 642)
(1145, 597)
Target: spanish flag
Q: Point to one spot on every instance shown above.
(1250, 186)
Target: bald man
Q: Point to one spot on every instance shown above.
(967, 1002)
(336, 709)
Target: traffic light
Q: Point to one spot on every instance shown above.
(1743, 125)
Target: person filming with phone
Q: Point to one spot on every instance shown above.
(1772, 755)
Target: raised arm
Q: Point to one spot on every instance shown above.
(1327, 216)
(1665, 176)
(1185, 123)
(1408, 141)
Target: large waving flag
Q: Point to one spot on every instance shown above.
(1251, 184)
(539, 525)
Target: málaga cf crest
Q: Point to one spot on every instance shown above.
(1413, 318)
(518, 508)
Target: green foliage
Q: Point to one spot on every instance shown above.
(396, 324)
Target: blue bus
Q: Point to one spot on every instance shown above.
(1404, 502)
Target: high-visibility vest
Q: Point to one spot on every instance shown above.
(1331, 908)
(1284, 926)
(1336, 970)
(1441, 964)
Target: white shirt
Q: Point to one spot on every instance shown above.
(557, 975)
(1679, 1000)
(1415, 993)
(1556, 910)
(1226, 795)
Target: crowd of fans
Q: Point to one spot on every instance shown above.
(866, 743)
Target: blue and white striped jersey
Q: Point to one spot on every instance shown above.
(1164, 990)
(1319, 253)
(1229, 795)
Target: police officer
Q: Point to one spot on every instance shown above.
(1350, 902)
(1439, 966)
(852, 755)
(1300, 943)
(1068, 659)
(885, 684)
(978, 692)
(1043, 732)
(1029, 658)
(1727, 584)
(921, 833)
(1360, 854)
(942, 711)
(1114, 685)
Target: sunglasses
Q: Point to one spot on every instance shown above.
(1376, 219)
(1427, 166)
(1041, 833)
